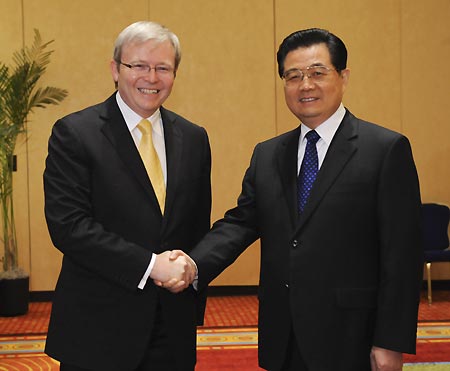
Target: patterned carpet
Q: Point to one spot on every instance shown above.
(227, 341)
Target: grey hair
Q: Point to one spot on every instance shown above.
(143, 31)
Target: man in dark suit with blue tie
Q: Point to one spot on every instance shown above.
(110, 217)
(336, 205)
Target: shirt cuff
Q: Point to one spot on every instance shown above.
(147, 273)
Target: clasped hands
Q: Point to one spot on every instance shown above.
(173, 270)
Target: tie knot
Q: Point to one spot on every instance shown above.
(145, 126)
(312, 137)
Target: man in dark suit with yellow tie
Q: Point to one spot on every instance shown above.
(336, 205)
(110, 212)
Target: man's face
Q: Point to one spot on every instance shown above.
(144, 92)
(314, 101)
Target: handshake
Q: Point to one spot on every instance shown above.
(173, 270)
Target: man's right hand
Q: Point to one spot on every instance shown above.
(173, 270)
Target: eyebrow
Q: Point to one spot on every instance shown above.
(318, 64)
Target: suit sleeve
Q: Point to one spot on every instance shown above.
(231, 235)
(70, 214)
(401, 253)
(203, 222)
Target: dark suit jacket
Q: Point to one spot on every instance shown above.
(103, 215)
(346, 274)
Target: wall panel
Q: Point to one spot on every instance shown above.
(425, 93)
(225, 83)
(11, 28)
(426, 80)
(11, 40)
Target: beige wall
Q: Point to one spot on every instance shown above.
(227, 83)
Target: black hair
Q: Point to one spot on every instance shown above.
(309, 37)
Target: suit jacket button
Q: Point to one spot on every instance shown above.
(294, 243)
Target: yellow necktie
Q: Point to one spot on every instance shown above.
(151, 162)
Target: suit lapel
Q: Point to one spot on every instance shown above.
(287, 165)
(339, 153)
(116, 130)
(174, 147)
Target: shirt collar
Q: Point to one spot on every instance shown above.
(132, 119)
(328, 128)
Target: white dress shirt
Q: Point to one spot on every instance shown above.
(326, 131)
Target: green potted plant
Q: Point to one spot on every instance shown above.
(19, 95)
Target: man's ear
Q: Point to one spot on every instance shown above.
(345, 75)
(114, 67)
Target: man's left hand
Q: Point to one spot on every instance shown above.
(385, 360)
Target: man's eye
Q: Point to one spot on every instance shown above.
(162, 69)
(140, 67)
(292, 77)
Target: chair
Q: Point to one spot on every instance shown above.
(435, 219)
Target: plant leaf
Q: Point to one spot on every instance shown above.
(19, 95)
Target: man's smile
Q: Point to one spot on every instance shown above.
(308, 99)
(148, 91)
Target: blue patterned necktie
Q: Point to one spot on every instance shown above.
(308, 170)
